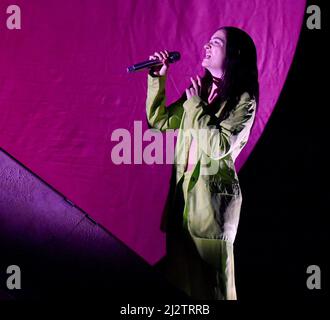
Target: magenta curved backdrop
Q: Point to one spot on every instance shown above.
(64, 90)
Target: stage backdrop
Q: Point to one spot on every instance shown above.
(64, 90)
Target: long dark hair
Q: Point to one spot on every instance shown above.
(240, 72)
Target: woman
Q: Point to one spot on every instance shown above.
(203, 206)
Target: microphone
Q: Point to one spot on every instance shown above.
(173, 57)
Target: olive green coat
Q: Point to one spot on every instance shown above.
(214, 197)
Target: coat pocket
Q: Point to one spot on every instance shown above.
(213, 215)
(226, 213)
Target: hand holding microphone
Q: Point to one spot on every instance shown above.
(160, 70)
(158, 63)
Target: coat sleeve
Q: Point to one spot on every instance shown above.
(219, 140)
(158, 115)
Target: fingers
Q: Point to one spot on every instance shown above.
(160, 55)
(196, 87)
(163, 54)
(197, 84)
(166, 55)
(188, 93)
(199, 81)
(194, 84)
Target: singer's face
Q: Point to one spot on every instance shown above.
(215, 53)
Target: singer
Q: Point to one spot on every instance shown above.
(202, 210)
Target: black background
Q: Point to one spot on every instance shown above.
(284, 184)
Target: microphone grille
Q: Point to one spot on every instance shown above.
(174, 56)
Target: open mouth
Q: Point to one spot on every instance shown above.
(207, 56)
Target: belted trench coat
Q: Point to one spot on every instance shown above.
(214, 195)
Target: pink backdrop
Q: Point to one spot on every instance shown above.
(64, 89)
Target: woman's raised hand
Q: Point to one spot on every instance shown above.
(196, 87)
(163, 57)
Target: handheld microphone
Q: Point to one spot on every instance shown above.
(173, 57)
